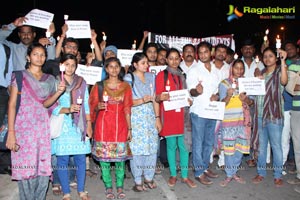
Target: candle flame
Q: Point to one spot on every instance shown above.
(267, 32)
(103, 33)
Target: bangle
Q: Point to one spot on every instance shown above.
(157, 116)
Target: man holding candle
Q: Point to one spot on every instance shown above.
(202, 128)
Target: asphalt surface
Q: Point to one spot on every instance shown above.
(249, 191)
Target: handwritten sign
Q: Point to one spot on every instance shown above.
(178, 99)
(212, 110)
(90, 74)
(39, 18)
(252, 86)
(78, 29)
(125, 56)
(156, 69)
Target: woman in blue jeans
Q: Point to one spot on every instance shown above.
(269, 116)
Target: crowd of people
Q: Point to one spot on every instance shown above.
(123, 119)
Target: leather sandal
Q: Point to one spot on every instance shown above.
(139, 188)
(278, 182)
(189, 182)
(172, 181)
(56, 190)
(239, 179)
(150, 184)
(226, 181)
(109, 193)
(257, 179)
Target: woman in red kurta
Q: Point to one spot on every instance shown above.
(112, 131)
(173, 120)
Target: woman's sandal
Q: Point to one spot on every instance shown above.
(56, 189)
(150, 184)
(121, 194)
(226, 181)
(239, 179)
(84, 196)
(109, 194)
(139, 188)
(66, 197)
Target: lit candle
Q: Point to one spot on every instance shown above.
(168, 86)
(256, 59)
(267, 32)
(58, 38)
(236, 56)
(48, 34)
(79, 100)
(134, 45)
(62, 68)
(66, 17)
(278, 44)
(266, 36)
(92, 47)
(104, 36)
(105, 99)
(233, 83)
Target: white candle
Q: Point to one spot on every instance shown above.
(66, 17)
(265, 38)
(236, 56)
(256, 59)
(79, 100)
(233, 83)
(105, 96)
(62, 68)
(92, 46)
(267, 32)
(48, 34)
(278, 42)
(58, 38)
(134, 45)
(104, 36)
(168, 86)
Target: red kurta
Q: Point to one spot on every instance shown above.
(173, 122)
(110, 132)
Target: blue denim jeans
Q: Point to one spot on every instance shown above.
(62, 171)
(232, 163)
(202, 142)
(270, 132)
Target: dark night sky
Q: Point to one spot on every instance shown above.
(124, 21)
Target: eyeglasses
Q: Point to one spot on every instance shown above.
(71, 47)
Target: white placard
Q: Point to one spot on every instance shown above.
(212, 110)
(90, 74)
(156, 69)
(78, 29)
(39, 18)
(178, 99)
(252, 86)
(125, 56)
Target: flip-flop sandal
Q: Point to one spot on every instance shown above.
(150, 184)
(56, 189)
(109, 194)
(139, 188)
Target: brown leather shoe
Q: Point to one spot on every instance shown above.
(278, 182)
(257, 179)
(251, 163)
(204, 180)
(172, 181)
(211, 174)
(189, 182)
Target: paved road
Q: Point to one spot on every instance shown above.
(249, 191)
